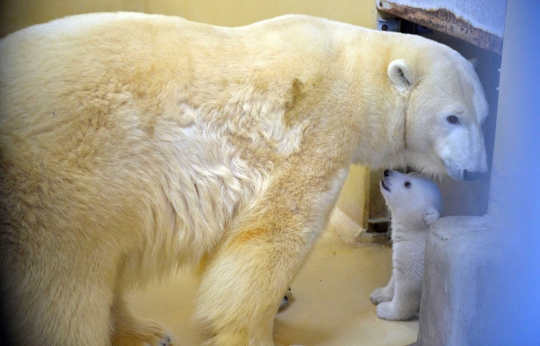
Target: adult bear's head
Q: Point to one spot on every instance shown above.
(444, 109)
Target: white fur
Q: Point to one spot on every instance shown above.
(414, 209)
(133, 144)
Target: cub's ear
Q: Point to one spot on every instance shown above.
(431, 215)
(474, 62)
(400, 74)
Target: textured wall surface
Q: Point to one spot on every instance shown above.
(487, 15)
(515, 193)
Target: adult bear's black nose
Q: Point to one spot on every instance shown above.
(471, 176)
(386, 173)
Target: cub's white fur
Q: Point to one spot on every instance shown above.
(133, 144)
(415, 203)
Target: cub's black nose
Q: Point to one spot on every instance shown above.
(386, 173)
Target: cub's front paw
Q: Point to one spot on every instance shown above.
(388, 311)
(385, 310)
(380, 295)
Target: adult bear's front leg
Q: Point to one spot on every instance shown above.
(244, 281)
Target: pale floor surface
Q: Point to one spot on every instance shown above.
(331, 304)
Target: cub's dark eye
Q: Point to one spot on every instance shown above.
(452, 119)
(407, 184)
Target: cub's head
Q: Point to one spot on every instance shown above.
(444, 108)
(412, 198)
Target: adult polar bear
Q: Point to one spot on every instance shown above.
(132, 144)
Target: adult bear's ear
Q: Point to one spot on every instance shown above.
(400, 74)
(431, 215)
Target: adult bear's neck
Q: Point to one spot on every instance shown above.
(376, 107)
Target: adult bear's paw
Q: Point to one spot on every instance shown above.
(141, 334)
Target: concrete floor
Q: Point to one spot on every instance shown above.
(331, 304)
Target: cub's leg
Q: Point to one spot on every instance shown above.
(128, 331)
(406, 300)
(384, 294)
(243, 284)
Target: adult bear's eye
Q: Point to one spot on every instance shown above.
(407, 184)
(452, 119)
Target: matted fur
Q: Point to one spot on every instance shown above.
(133, 144)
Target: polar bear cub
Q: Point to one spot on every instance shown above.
(415, 203)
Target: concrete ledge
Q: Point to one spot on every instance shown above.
(460, 252)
